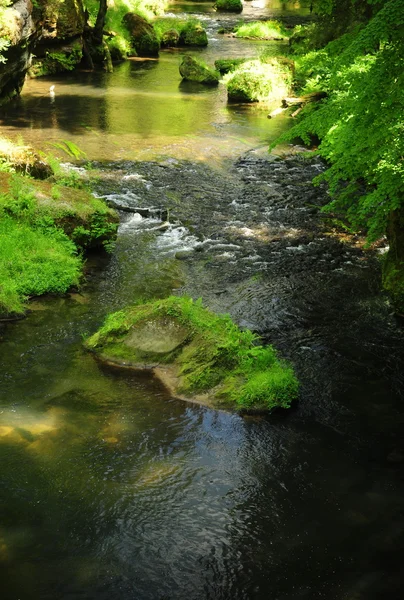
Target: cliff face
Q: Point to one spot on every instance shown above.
(20, 29)
(45, 38)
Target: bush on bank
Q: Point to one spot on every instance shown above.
(258, 81)
(360, 125)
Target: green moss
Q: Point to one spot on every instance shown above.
(216, 357)
(229, 6)
(192, 69)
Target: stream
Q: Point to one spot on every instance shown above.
(112, 490)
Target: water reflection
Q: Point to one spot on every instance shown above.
(143, 109)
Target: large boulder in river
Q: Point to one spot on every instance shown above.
(143, 37)
(193, 70)
(235, 6)
(199, 356)
(193, 34)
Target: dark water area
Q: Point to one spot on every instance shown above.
(110, 488)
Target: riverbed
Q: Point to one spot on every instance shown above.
(110, 488)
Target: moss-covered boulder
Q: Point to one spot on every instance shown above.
(143, 37)
(193, 34)
(235, 6)
(170, 39)
(194, 70)
(257, 81)
(199, 356)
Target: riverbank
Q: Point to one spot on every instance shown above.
(46, 226)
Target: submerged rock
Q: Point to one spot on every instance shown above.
(199, 356)
(143, 37)
(193, 70)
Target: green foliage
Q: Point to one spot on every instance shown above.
(263, 30)
(361, 123)
(257, 81)
(217, 353)
(70, 148)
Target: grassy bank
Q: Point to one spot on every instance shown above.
(45, 226)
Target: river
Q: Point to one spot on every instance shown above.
(109, 488)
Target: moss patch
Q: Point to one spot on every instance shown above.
(209, 356)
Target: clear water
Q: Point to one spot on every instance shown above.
(109, 488)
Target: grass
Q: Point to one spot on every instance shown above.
(44, 225)
(218, 357)
(33, 262)
(262, 30)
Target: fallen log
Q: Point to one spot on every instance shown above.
(300, 100)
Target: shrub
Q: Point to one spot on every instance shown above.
(255, 81)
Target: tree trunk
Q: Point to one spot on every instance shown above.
(100, 22)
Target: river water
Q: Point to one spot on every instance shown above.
(109, 488)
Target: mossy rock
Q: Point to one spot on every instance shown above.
(255, 81)
(235, 6)
(193, 34)
(193, 70)
(170, 39)
(199, 356)
(143, 37)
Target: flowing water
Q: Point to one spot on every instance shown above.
(109, 488)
